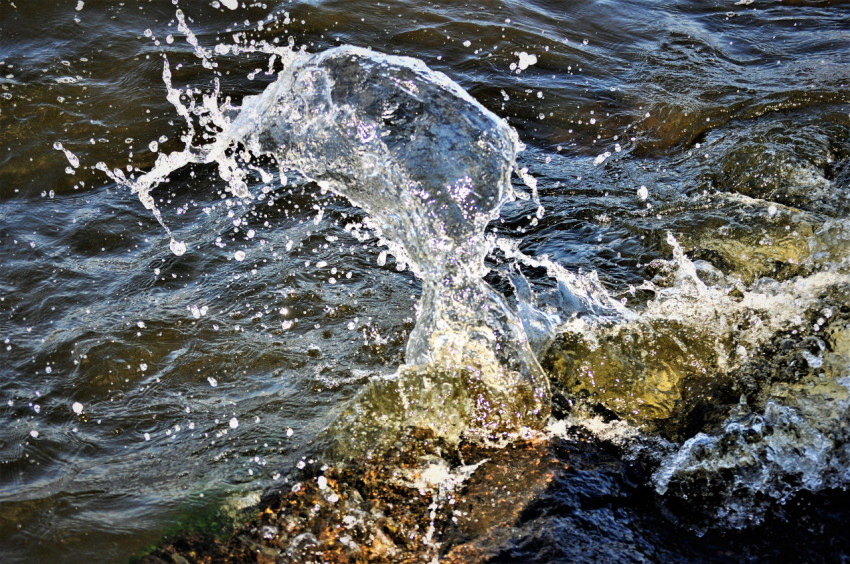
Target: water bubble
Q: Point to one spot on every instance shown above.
(230, 4)
(213, 382)
(239, 256)
(322, 482)
(77, 407)
(147, 436)
(642, 193)
(34, 434)
(233, 423)
(467, 43)
(153, 146)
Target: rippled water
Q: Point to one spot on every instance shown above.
(686, 289)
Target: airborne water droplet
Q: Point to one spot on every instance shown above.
(177, 247)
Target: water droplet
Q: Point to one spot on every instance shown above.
(239, 255)
(77, 407)
(177, 247)
(234, 423)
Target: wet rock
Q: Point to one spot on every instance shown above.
(786, 437)
(658, 374)
(386, 510)
(682, 367)
(746, 239)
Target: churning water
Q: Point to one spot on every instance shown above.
(500, 282)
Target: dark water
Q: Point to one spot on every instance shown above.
(143, 391)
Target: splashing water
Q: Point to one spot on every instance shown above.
(432, 168)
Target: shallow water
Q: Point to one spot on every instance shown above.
(142, 391)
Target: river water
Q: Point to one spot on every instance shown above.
(685, 286)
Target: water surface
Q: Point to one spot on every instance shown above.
(695, 157)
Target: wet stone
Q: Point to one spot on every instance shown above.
(784, 439)
(382, 510)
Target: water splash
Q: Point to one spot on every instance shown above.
(432, 167)
(738, 394)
